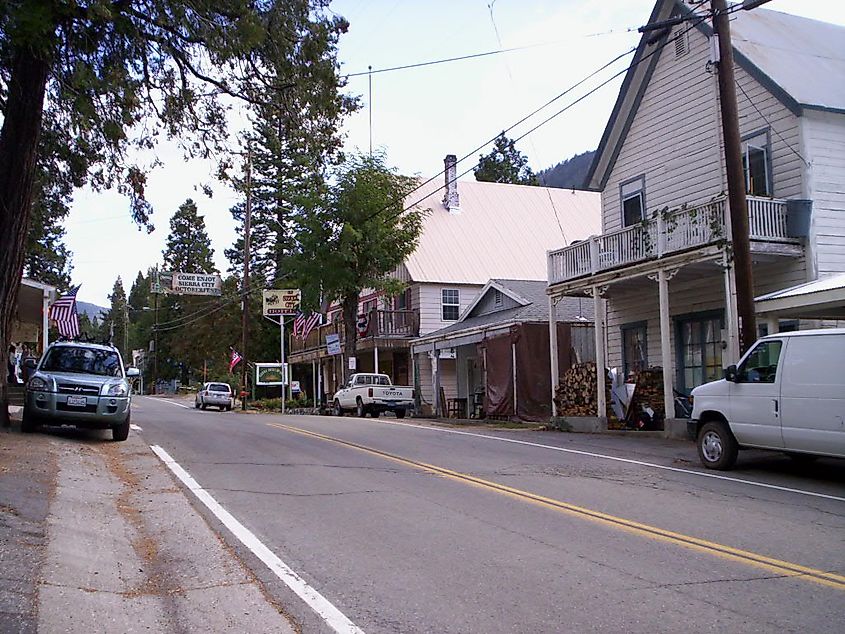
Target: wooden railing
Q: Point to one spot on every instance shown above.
(388, 324)
(665, 233)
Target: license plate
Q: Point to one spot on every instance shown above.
(77, 401)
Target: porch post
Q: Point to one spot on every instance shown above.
(375, 359)
(435, 366)
(731, 312)
(773, 324)
(45, 320)
(601, 399)
(665, 345)
(513, 362)
(553, 350)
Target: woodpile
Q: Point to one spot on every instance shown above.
(577, 394)
(648, 394)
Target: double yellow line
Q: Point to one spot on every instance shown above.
(777, 566)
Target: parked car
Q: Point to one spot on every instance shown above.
(373, 394)
(787, 393)
(79, 384)
(215, 394)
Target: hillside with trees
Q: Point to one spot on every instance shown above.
(568, 174)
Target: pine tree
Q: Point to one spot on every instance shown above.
(505, 164)
(113, 327)
(188, 245)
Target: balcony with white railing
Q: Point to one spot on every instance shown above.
(665, 233)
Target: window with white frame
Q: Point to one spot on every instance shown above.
(755, 164)
(632, 193)
(450, 304)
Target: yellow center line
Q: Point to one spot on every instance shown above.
(778, 566)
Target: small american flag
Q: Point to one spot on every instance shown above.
(63, 312)
(303, 325)
(234, 360)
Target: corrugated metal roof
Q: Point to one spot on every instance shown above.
(829, 283)
(804, 57)
(501, 231)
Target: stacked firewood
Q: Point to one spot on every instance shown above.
(648, 393)
(577, 394)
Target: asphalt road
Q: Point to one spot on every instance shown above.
(402, 527)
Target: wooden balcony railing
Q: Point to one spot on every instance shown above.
(387, 324)
(665, 233)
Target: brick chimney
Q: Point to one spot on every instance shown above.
(451, 200)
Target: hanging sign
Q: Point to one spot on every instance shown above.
(363, 324)
(333, 344)
(282, 302)
(178, 283)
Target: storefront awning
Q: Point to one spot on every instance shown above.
(822, 299)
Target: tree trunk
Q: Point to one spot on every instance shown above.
(350, 322)
(18, 145)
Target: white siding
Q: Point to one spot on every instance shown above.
(428, 298)
(691, 294)
(675, 139)
(824, 142)
(448, 379)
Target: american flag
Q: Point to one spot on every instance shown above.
(63, 312)
(234, 360)
(303, 325)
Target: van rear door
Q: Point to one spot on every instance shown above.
(813, 394)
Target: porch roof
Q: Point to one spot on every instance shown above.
(821, 299)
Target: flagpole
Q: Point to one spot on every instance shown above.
(284, 372)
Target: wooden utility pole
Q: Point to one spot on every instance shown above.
(743, 271)
(245, 287)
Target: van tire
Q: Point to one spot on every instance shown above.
(717, 447)
(360, 412)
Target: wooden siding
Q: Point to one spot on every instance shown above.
(428, 298)
(694, 294)
(824, 141)
(675, 139)
(448, 379)
(487, 304)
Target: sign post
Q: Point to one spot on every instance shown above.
(280, 303)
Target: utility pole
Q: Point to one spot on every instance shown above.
(157, 290)
(743, 272)
(244, 289)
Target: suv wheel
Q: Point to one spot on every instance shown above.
(717, 447)
(28, 422)
(121, 431)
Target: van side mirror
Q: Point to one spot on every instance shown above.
(29, 363)
(730, 373)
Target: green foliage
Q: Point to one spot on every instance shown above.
(113, 328)
(504, 164)
(188, 245)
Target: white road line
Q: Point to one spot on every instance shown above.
(333, 617)
(640, 463)
(135, 427)
(164, 400)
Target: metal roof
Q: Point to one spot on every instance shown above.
(569, 309)
(501, 231)
(821, 299)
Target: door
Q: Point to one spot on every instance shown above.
(699, 346)
(755, 396)
(813, 394)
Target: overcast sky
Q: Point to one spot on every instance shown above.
(419, 115)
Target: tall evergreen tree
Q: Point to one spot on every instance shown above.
(188, 245)
(117, 76)
(505, 164)
(114, 325)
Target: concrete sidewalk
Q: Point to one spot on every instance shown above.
(96, 536)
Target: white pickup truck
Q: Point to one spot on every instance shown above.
(373, 394)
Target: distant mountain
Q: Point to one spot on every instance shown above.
(570, 174)
(92, 310)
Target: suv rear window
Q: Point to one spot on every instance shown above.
(219, 387)
(82, 361)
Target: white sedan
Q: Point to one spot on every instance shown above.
(215, 394)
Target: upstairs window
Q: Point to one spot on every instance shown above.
(632, 193)
(450, 304)
(755, 164)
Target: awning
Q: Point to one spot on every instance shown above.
(822, 299)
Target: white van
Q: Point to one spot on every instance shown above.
(787, 393)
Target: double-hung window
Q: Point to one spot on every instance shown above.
(755, 164)
(450, 304)
(634, 348)
(632, 193)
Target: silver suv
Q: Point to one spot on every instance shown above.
(80, 384)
